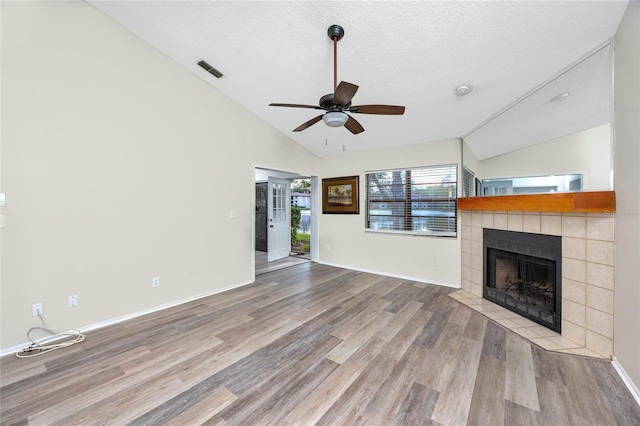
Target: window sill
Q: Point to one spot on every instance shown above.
(413, 234)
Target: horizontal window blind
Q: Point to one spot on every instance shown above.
(420, 201)
(468, 183)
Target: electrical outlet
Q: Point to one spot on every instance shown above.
(435, 262)
(73, 301)
(156, 282)
(328, 247)
(37, 309)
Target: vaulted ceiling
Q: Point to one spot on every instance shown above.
(401, 53)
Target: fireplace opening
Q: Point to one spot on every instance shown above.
(522, 273)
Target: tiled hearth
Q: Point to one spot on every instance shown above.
(587, 277)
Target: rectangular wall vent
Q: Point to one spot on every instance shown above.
(210, 69)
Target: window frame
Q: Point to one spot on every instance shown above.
(407, 216)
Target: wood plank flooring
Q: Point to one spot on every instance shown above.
(313, 344)
(262, 266)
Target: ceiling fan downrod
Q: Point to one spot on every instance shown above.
(336, 105)
(335, 33)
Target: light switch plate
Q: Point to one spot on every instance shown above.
(2, 199)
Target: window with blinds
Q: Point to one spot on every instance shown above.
(468, 181)
(418, 201)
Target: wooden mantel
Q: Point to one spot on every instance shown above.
(577, 202)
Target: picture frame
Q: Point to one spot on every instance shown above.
(340, 195)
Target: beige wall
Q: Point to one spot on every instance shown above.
(627, 184)
(396, 255)
(587, 152)
(116, 165)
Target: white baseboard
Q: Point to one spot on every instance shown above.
(626, 379)
(402, 277)
(13, 349)
(117, 320)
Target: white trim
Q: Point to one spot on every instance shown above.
(403, 277)
(13, 349)
(635, 392)
(117, 320)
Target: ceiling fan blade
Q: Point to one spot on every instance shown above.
(378, 109)
(308, 123)
(344, 92)
(353, 126)
(296, 106)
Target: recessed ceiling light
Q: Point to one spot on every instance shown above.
(463, 89)
(560, 97)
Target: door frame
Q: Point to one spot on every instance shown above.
(315, 206)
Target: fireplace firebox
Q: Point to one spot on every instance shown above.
(522, 272)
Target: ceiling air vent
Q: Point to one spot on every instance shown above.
(210, 69)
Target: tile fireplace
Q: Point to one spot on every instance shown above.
(523, 273)
(587, 284)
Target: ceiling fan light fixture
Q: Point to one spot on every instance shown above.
(335, 119)
(335, 104)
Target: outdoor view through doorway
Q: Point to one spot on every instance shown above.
(301, 217)
(284, 219)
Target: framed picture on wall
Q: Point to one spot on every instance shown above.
(340, 195)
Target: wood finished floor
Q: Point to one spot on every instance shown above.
(313, 344)
(262, 266)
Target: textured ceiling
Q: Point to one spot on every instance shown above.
(400, 53)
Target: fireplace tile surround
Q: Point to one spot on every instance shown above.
(587, 276)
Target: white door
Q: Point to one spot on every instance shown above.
(278, 219)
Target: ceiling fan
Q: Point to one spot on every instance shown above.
(337, 104)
